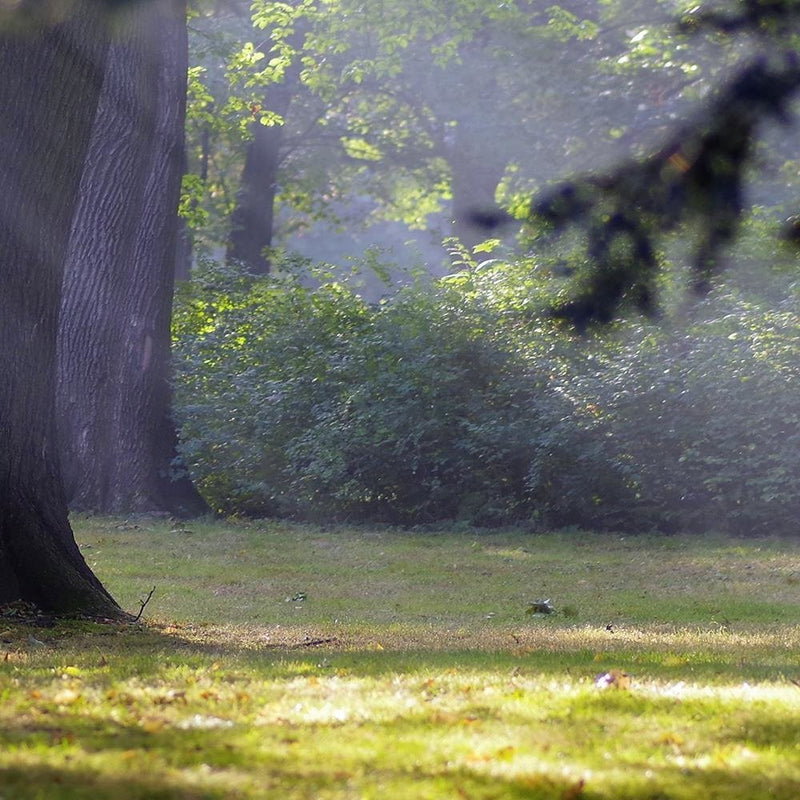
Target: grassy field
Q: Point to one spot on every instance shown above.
(278, 661)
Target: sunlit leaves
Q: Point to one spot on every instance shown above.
(190, 208)
(385, 84)
(361, 149)
(564, 25)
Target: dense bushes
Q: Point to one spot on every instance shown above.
(451, 401)
(710, 418)
(312, 403)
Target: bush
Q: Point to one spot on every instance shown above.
(709, 419)
(455, 401)
(309, 402)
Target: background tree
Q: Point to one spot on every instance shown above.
(419, 107)
(253, 217)
(52, 77)
(118, 441)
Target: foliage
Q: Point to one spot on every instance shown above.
(709, 417)
(697, 175)
(458, 399)
(409, 105)
(298, 400)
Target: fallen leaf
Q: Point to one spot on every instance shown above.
(573, 792)
(614, 678)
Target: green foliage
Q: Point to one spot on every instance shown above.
(457, 399)
(710, 419)
(307, 401)
(412, 99)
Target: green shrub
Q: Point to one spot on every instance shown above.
(309, 402)
(455, 400)
(709, 418)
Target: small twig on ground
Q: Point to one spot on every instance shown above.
(308, 642)
(142, 604)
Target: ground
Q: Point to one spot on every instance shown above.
(302, 662)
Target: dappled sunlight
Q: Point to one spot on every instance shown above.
(220, 709)
(377, 666)
(538, 635)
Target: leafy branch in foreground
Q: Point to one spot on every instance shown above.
(697, 176)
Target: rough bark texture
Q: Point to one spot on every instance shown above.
(118, 441)
(49, 89)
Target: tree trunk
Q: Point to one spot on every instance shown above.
(475, 175)
(118, 441)
(51, 81)
(253, 218)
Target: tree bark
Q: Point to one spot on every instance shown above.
(118, 440)
(474, 179)
(51, 81)
(253, 218)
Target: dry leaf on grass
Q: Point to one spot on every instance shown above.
(614, 678)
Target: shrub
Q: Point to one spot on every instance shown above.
(709, 418)
(309, 402)
(454, 400)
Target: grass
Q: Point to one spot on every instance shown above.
(299, 662)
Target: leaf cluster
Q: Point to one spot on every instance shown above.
(695, 179)
(306, 401)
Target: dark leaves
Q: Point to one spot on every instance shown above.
(696, 176)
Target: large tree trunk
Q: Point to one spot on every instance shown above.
(118, 441)
(51, 79)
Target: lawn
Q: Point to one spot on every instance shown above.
(282, 661)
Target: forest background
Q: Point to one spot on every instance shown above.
(616, 354)
(363, 334)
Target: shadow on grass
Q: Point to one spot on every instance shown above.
(174, 759)
(176, 765)
(277, 652)
(65, 784)
(53, 783)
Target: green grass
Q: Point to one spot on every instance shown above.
(298, 662)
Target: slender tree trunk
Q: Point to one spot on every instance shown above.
(475, 176)
(253, 218)
(118, 441)
(51, 79)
